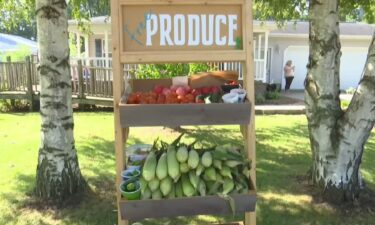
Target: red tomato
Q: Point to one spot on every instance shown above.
(206, 90)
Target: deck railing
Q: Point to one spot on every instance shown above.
(91, 77)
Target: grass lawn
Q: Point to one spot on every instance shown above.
(283, 157)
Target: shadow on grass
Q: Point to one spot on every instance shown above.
(277, 169)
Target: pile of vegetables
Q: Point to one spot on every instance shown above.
(178, 170)
(176, 95)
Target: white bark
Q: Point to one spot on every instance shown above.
(58, 173)
(337, 137)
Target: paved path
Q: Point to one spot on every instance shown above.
(290, 109)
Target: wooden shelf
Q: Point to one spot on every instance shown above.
(132, 115)
(208, 205)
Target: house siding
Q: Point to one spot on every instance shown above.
(280, 44)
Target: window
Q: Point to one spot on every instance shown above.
(98, 48)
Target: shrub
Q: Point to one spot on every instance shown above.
(260, 99)
(272, 95)
(18, 106)
(350, 90)
(344, 104)
(154, 71)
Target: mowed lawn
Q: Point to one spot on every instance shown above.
(283, 159)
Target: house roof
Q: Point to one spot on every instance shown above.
(9, 43)
(94, 20)
(346, 29)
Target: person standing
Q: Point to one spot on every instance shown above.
(288, 74)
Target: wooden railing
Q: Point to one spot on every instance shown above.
(88, 81)
(18, 76)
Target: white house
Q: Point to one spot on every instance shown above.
(282, 44)
(291, 42)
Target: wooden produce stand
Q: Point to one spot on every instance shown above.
(159, 31)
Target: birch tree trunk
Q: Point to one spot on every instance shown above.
(337, 138)
(58, 174)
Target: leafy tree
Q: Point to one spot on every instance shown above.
(18, 17)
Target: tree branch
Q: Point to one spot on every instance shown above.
(361, 109)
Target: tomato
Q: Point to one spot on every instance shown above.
(160, 99)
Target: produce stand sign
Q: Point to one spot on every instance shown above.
(177, 31)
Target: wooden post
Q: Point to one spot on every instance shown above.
(9, 73)
(30, 92)
(118, 80)
(11, 80)
(250, 218)
(81, 93)
(92, 78)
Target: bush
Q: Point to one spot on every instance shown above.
(344, 104)
(350, 91)
(260, 99)
(273, 95)
(18, 106)
(155, 71)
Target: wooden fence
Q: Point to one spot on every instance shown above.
(90, 84)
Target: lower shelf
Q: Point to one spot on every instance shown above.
(208, 205)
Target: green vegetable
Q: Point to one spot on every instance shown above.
(184, 167)
(162, 167)
(219, 178)
(193, 159)
(166, 186)
(214, 188)
(172, 164)
(178, 188)
(218, 164)
(194, 179)
(154, 184)
(157, 194)
(182, 154)
(202, 188)
(199, 169)
(233, 163)
(149, 168)
(228, 186)
(210, 174)
(143, 183)
(187, 188)
(207, 159)
(146, 194)
(130, 187)
(172, 193)
(225, 171)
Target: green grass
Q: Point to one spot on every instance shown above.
(283, 155)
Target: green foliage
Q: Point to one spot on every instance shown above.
(260, 99)
(344, 104)
(73, 45)
(18, 106)
(350, 91)
(153, 71)
(18, 17)
(16, 56)
(272, 95)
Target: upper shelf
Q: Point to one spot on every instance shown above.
(184, 114)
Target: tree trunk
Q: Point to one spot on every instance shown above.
(337, 138)
(58, 174)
